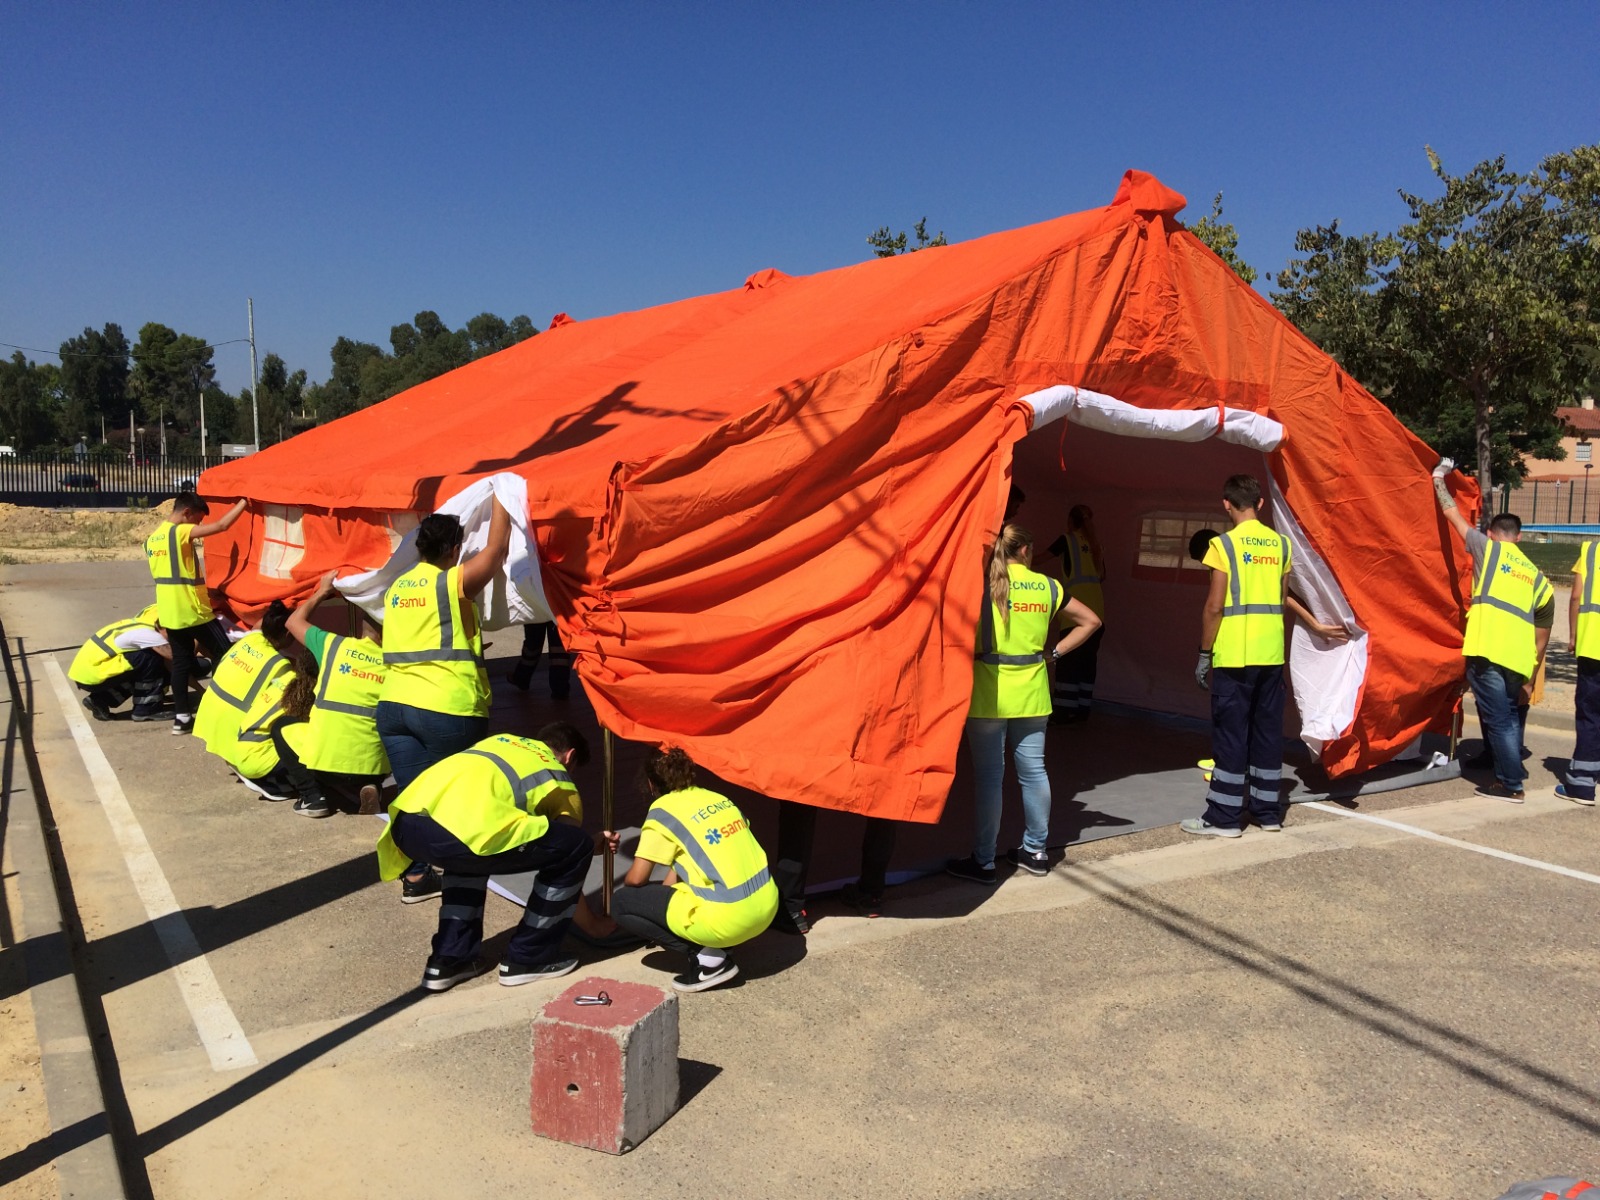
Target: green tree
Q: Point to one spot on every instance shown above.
(282, 397)
(886, 245)
(1223, 239)
(94, 379)
(170, 370)
(1476, 318)
(27, 404)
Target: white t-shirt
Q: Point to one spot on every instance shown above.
(140, 637)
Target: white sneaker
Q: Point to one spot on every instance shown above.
(259, 790)
(1198, 825)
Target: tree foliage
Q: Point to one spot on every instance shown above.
(28, 403)
(886, 245)
(1476, 318)
(94, 379)
(1223, 239)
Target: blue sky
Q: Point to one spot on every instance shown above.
(347, 165)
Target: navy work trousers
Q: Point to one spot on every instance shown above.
(1585, 765)
(559, 860)
(1247, 744)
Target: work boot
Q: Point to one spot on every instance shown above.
(98, 710)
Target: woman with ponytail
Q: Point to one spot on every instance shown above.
(1011, 699)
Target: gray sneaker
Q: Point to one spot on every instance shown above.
(1198, 825)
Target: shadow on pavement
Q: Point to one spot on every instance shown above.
(1504, 1072)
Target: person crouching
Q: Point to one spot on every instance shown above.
(718, 891)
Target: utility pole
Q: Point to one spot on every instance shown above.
(255, 376)
(202, 428)
(163, 427)
(130, 435)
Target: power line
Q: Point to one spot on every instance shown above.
(86, 354)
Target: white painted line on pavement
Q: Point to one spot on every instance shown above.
(1450, 841)
(219, 1029)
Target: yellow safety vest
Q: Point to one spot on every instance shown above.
(1083, 575)
(1508, 591)
(244, 702)
(1586, 637)
(1009, 676)
(341, 732)
(726, 895)
(99, 659)
(1256, 559)
(434, 663)
(181, 596)
(490, 797)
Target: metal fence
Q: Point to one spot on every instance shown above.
(65, 479)
(1551, 501)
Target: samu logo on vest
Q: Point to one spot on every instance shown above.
(409, 602)
(1261, 560)
(1505, 569)
(715, 836)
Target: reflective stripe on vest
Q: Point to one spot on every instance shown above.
(1076, 574)
(111, 631)
(1587, 636)
(243, 703)
(1234, 608)
(986, 636)
(175, 562)
(719, 891)
(329, 656)
(260, 730)
(1501, 614)
(447, 630)
(521, 785)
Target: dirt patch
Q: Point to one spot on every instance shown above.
(29, 535)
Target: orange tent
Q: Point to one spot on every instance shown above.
(760, 515)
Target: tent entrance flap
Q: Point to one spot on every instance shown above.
(1153, 478)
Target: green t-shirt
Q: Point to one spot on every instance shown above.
(317, 642)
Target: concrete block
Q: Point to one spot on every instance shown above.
(605, 1076)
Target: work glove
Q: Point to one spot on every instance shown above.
(1446, 465)
(1058, 547)
(1202, 670)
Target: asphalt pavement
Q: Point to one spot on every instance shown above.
(1344, 1009)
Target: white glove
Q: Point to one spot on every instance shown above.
(1446, 465)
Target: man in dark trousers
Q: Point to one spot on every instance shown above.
(1241, 662)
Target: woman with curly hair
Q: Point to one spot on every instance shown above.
(717, 892)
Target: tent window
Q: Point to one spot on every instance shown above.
(283, 542)
(1164, 544)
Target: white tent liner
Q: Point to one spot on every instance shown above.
(515, 596)
(1326, 677)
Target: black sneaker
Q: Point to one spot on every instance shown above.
(967, 868)
(99, 711)
(442, 974)
(424, 887)
(868, 906)
(313, 806)
(515, 974)
(791, 919)
(698, 978)
(1033, 864)
(180, 727)
(149, 716)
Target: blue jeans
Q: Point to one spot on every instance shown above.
(416, 738)
(989, 739)
(1495, 690)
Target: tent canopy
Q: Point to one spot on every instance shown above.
(759, 515)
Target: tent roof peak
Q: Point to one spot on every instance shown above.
(1147, 194)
